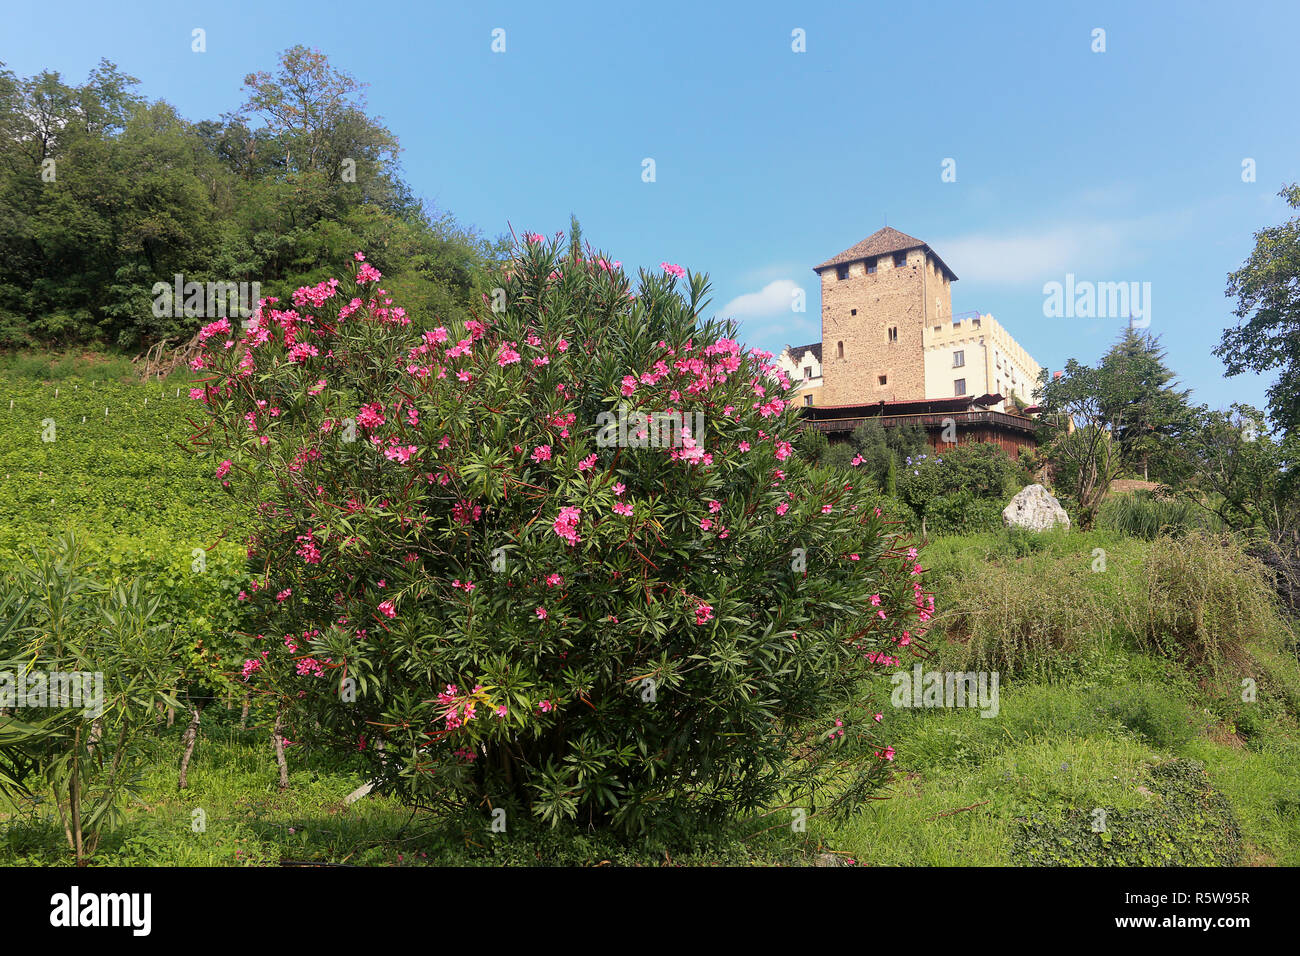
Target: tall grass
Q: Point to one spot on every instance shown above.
(1203, 601)
(1197, 600)
(1143, 514)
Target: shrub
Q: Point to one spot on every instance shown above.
(1143, 514)
(881, 450)
(471, 566)
(946, 484)
(812, 445)
(1025, 620)
(962, 512)
(839, 456)
(1202, 601)
(58, 621)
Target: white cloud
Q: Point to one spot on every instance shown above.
(1030, 257)
(773, 300)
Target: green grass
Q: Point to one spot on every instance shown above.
(1061, 750)
(248, 821)
(64, 463)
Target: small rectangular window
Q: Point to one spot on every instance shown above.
(900, 259)
(883, 379)
(893, 333)
(807, 373)
(853, 311)
(807, 399)
(871, 267)
(959, 387)
(842, 272)
(959, 358)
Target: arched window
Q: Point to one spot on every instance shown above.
(839, 350)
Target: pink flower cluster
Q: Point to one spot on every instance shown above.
(566, 525)
(456, 712)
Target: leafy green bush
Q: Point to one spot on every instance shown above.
(86, 746)
(951, 487)
(469, 549)
(963, 513)
(1018, 619)
(881, 451)
(812, 445)
(839, 456)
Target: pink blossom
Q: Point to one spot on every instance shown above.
(566, 525)
(371, 416)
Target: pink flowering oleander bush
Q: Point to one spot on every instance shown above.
(469, 574)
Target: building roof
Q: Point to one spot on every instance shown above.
(797, 351)
(903, 406)
(882, 242)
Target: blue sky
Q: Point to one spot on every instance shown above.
(1124, 165)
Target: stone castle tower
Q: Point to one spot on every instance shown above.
(879, 298)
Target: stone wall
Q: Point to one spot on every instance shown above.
(858, 314)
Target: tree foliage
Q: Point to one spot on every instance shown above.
(1267, 336)
(103, 194)
(1143, 406)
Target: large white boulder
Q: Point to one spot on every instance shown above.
(1034, 508)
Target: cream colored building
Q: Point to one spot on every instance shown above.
(803, 364)
(974, 355)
